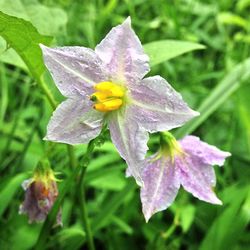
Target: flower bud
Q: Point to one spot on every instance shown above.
(40, 194)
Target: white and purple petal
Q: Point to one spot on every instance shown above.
(129, 139)
(197, 178)
(161, 184)
(157, 106)
(208, 154)
(74, 122)
(123, 54)
(74, 69)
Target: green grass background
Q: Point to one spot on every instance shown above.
(214, 80)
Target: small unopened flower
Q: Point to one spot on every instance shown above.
(188, 162)
(40, 194)
(107, 85)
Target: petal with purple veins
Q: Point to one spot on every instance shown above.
(157, 106)
(161, 185)
(123, 54)
(129, 139)
(74, 69)
(74, 121)
(208, 154)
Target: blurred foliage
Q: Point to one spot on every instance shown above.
(214, 80)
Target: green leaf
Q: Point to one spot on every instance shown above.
(48, 20)
(218, 95)
(108, 210)
(23, 37)
(230, 224)
(232, 19)
(122, 225)
(186, 217)
(103, 178)
(244, 112)
(71, 238)
(7, 193)
(164, 50)
(25, 234)
(9, 55)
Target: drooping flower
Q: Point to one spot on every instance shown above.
(107, 85)
(40, 194)
(188, 163)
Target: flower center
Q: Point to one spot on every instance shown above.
(170, 146)
(108, 96)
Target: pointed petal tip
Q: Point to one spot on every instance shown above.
(147, 216)
(212, 198)
(227, 154)
(127, 21)
(45, 138)
(195, 113)
(42, 46)
(217, 201)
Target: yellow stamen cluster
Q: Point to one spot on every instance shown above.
(108, 96)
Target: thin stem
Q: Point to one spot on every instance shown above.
(46, 92)
(84, 212)
(83, 204)
(72, 158)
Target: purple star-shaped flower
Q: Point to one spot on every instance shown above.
(188, 163)
(107, 85)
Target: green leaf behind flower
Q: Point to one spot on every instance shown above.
(161, 51)
(8, 191)
(228, 85)
(24, 38)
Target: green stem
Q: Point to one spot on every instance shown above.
(172, 228)
(72, 158)
(83, 205)
(84, 212)
(46, 92)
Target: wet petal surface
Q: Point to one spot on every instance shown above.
(161, 185)
(157, 106)
(130, 141)
(123, 54)
(74, 69)
(74, 121)
(207, 153)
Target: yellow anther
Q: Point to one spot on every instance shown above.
(104, 86)
(109, 105)
(99, 96)
(111, 89)
(108, 96)
(117, 91)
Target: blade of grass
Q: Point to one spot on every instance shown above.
(218, 96)
(4, 93)
(107, 211)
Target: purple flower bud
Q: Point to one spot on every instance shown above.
(40, 194)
